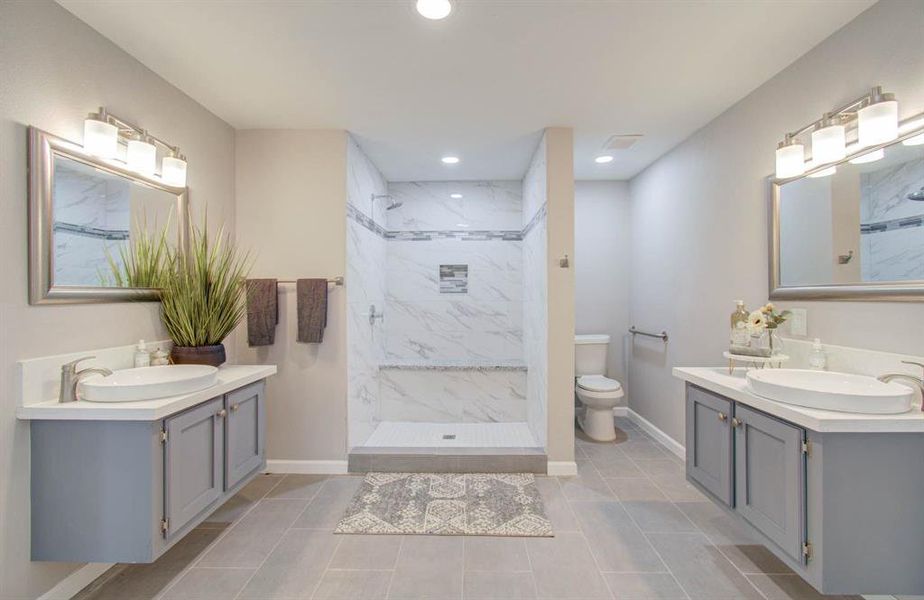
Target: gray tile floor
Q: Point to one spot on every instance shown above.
(627, 527)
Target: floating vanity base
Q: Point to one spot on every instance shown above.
(107, 490)
(841, 508)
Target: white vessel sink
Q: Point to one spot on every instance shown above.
(147, 383)
(831, 391)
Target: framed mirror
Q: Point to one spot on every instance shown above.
(856, 234)
(89, 219)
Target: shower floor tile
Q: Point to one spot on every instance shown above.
(398, 434)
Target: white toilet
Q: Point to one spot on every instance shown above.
(597, 393)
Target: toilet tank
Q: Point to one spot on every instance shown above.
(590, 354)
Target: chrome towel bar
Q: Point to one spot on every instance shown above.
(662, 335)
(334, 280)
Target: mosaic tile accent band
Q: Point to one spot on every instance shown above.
(453, 279)
(480, 235)
(892, 225)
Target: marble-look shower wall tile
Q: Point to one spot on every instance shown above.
(534, 276)
(365, 285)
(428, 205)
(484, 322)
(449, 396)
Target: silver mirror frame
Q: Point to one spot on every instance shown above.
(43, 147)
(904, 291)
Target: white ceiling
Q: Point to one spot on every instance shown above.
(480, 84)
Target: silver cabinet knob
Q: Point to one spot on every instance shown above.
(736, 422)
(222, 414)
(234, 407)
(723, 417)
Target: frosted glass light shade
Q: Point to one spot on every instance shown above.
(173, 171)
(790, 160)
(877, 123)
(868, 157)
(829, 144)
(141, 157)
(100, 138)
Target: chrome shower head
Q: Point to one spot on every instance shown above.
(917, 196)
(393, 204)
(391, 201)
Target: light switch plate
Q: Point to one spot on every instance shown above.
(798, 322)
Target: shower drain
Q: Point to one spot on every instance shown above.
(449, 436)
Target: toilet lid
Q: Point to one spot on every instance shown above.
(598, 383)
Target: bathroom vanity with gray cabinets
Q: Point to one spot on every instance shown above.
(123, 482)
(836, 496)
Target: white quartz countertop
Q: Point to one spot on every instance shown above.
(735, 386)
(230, 377)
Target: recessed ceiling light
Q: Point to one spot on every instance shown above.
(602, 160)
(450, 160)
(434, 9)
(455, 196)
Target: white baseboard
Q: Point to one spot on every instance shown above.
(561, 468)
(649, 428)
(307, 467)
(68, 587)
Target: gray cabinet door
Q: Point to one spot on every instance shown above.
(246, 424)
(770, 478)
(193, 473)
(709, 442)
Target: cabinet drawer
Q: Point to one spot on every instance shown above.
(193, 474)
(709, 442)
(770, 478)
(244, 450)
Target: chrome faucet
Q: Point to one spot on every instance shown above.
(70, 377)
(918, 381)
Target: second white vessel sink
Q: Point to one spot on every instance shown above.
(826, 390)
(147, 383)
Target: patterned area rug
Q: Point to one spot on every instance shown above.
(500, 504)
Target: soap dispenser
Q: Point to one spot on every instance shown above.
(142, 356)
(817, 359)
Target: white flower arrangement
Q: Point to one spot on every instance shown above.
(764, 318)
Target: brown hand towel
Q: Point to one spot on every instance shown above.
(312, 310)
(262, 312)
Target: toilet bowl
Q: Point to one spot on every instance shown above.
(598, 394)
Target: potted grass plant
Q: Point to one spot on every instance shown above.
(203, 299)
(142, 263)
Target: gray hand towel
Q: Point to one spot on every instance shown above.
(312, 309)
(262, 312)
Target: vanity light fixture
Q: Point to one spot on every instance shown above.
(874, 116)
(141, 155)
(434, 9)
(450, 160)
(456, 196)
(914, 141)
(102, 132)
(868, 157)
(603, 159)
(877, 122)
(100, 137)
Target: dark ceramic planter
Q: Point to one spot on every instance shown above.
(198, 355)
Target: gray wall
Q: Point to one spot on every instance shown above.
(54, 70)
(601, 264)
(699, 214)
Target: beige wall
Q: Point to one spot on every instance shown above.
(560, 198)
(699, 214)
(291, 209)
(54, 70)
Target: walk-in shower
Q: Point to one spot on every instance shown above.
(445, 367)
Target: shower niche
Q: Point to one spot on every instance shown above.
(442, 380)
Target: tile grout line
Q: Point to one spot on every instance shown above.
(394, 571)
(281, 537)
(195, 563)
(639, 528)
(330, 560)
